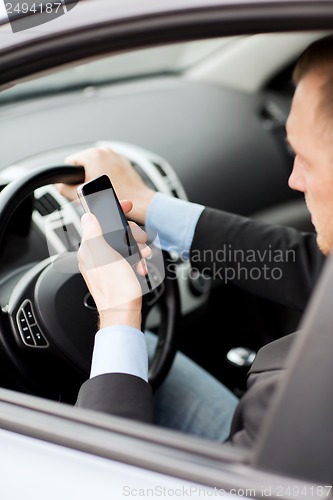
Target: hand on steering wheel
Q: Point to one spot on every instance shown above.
(126, 181)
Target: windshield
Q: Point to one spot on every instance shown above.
(169, 59)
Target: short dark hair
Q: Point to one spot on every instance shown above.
(317, 56)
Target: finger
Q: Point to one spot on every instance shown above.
(141, 268)
(126, 205)
(94, 251)
(79, 157)
(139, 234)
(68, 191)
(145, 251)
(140, 237)
(76, 159)
(90, 226)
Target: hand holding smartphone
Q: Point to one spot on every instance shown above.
(99, 198)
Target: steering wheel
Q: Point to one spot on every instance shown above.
(49, 319)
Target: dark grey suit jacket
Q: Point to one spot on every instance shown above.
(131, 397)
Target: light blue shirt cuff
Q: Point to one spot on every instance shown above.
(174, 222)
(120, 349)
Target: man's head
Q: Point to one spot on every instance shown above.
(310, 135)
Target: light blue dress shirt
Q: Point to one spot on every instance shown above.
(123, 349)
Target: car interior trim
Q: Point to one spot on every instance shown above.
(158, 450)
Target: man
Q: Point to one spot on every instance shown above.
(198, 229)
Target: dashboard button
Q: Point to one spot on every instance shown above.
(29, 330)
(29, 314)
(22, 321)
(39, 338)
(25, 330)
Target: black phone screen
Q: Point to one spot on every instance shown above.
(102, 201)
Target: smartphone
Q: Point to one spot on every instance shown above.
(99, 198)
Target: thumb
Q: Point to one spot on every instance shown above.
(94, 251)
(90, 226)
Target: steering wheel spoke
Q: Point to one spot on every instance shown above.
(21, 311)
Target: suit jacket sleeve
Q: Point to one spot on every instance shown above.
(118, 394)
(218, 235)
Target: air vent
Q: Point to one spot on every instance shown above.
(143, 174)
(46, 204)
(159, 168)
